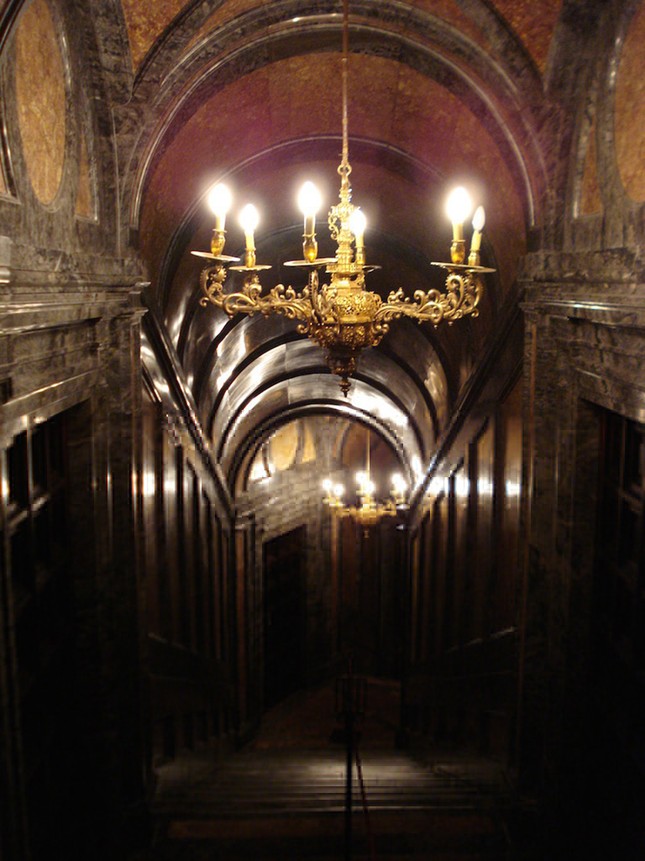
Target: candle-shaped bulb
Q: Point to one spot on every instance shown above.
(357, 224)
(458, 208)
(339, 491)
(479, 219)
(327, 485)
(249, 220)
(399, 484)
(219, 201)
(309, 202)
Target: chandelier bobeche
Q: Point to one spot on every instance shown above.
(343, 317)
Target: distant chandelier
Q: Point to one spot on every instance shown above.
(342, 317)
(369, 512)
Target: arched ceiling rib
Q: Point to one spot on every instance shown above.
(288, 373)
(249, 91)
(345, 419)
(310, 83)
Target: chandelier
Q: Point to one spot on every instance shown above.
(342, 316)
(369, 512)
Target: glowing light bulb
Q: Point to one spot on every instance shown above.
(309, 199)
(219, 200)
(339, 491)
(309, 202)
(327, 485)
(249, 219)
(399, 484)
(458, 208)
(357, 224)
(475, 244)
(479, 219)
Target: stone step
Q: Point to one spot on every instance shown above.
(254, 785)
(290, 804)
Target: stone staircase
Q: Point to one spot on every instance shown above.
(283, 795)
(290, 804)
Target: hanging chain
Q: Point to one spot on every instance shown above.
(345, 63)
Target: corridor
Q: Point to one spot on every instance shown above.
(257, 415)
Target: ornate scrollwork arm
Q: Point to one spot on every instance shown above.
(280, 299)
(211, 280)
(342, 316)
(464, 288)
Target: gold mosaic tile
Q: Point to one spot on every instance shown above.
(309, 452)
(145, 22)
(590, 202)
(534, 24)
(40, 93)
(630, 110)
(283, 445)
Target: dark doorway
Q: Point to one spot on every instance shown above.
(284, 615)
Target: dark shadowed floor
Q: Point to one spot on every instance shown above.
(283, 794)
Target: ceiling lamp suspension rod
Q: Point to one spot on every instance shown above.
(342, 317)
(344, 76)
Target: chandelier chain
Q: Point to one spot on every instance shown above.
(344, 77)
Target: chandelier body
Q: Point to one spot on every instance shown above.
(341, 316)
(369, 512)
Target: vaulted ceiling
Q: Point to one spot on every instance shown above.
(441, 92)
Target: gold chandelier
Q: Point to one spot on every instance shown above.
(342, 316)
(369, 512)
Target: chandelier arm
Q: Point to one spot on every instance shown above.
(211, 280)
(280, 299)
(316, 295)
(284, 300)
(462, 296)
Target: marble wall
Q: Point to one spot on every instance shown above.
(466, 624)
(70, 315)
(582, 300)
